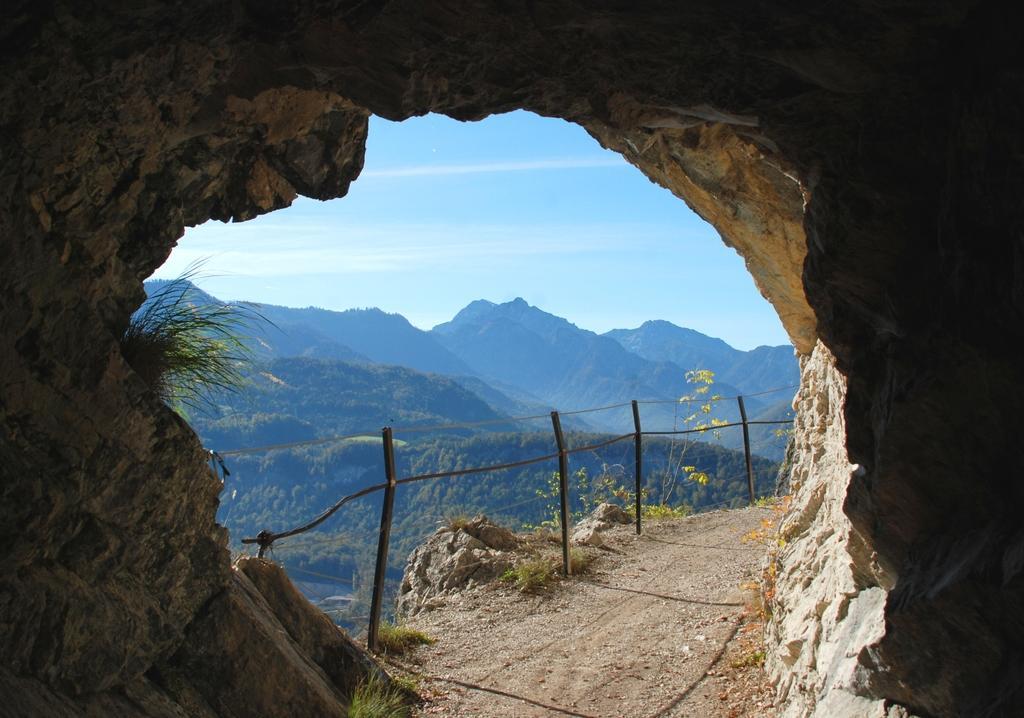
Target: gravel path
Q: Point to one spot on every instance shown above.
(658, 627)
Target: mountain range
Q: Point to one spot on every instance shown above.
(321, 374)
(514, 359)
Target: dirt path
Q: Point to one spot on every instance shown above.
(657, 628)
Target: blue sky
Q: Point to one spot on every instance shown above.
(516, 205)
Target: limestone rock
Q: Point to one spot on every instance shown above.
(610, 514)
(453, 559)
(240, 658)
(256, 649)
(491, 535)
(602, 518)
(587, 536)
(864, 159)
(829, 606)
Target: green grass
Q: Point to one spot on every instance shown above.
(374, 698)
(663, 511)
(459, 521)
(182, 347)
(532, 575)
(754, 658)
(580, 561)
(400, 639)
(408, 683)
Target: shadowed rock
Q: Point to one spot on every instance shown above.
(864, 158)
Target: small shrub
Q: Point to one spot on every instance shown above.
(400, 639)
(457, 522)
(183, 346)
(408, 683)
(664, 511)
(754, 658)
(374, 698)
(580, 561)
(531, 575)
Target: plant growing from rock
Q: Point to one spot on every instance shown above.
(590, 494)
(184, 346)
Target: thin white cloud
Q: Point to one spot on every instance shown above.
(315, 248)
(567, 163)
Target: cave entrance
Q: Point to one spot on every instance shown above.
(527, 219)
(515, 205)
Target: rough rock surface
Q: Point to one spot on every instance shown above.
(258, 648)
(605, 516)
(865, 158)
(454, 559)
(828, 613)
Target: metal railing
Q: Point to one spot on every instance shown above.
(265, 539)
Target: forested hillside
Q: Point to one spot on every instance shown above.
(283, 489)
(295, 399)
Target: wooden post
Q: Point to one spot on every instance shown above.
(381, 567)
(563, 490)
(746, 449)
(638, 472)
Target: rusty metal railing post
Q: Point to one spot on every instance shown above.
(563, 490)
(638, 473)
(381, 567)
(746, 448)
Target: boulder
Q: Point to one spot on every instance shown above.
(604, 517)
(452, 560)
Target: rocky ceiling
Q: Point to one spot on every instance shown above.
(865, 158)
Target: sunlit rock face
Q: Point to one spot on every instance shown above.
(864, 158)
(826, 591)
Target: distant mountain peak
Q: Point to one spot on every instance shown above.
(516, 311)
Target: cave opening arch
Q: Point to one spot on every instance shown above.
(900, 258)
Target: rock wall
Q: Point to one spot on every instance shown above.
(257, 648)
(865, 158)
(829, 593)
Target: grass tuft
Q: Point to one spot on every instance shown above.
(664, 511)
(408, 683)
(374, 698)
(580, 561)
(532, 575)
(183, 347)
(754, 658)
(399, 639)
(457, 522)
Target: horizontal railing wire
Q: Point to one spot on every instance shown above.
(476, 470)
(467, 424)
(593, 447)
(270, 537)
(593, 409)
(266, 539)
(485, 422)
(701, 430)
(714, 398)
(298, 444)
(275, 536)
